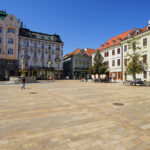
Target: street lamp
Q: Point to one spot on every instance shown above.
(49, 65)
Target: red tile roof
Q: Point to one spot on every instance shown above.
(143, 29)
(115, 40)
(87, 51)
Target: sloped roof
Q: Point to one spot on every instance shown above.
(143, 29)
(41, 36)
(87, 51)
(115, 40)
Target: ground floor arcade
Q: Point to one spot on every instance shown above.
(41, 74)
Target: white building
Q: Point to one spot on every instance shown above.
(40, 54)
(112, 54)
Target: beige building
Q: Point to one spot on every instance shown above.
(9, 30)
(142, 41)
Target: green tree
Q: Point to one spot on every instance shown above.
(135, 63)
(99, 67)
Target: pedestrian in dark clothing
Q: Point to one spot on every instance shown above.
(23, 83)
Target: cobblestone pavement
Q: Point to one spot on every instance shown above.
(74, 115)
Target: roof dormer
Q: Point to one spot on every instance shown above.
(137, 32)
(119, 39)
(129, 35)
(107, 43)
(113, 41)
(148, 26)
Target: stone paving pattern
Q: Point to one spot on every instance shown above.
(74, 115)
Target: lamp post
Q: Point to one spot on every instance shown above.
(49, 64)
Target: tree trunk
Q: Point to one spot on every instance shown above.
(134, 78)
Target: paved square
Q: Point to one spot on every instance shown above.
(74, 115)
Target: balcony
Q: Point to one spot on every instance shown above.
(57, 60)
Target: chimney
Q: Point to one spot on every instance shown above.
(21, 24)
(148, 26)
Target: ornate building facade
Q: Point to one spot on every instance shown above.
(40, 54)
(9, 30)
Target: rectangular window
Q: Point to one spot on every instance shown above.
(42, 46)
(125, 48)
(35, 54)
(35, 45)
(106, 54)
(49, 47)
(49, 56)
(118, 51)
(10, 51)
(0, 50)
(11, 30)
(0, 40)
(145, 42)
(134, 46)
(125, 62)
(118, 62)
(10, 41)
(113, 52)
(0, 30)
(113, 62)
(42, 55)
(145, 59)
(145, 74)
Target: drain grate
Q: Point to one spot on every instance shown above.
(118, 104)
(33, 93)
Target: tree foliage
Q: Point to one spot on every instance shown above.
(99, 66)
(135, 63)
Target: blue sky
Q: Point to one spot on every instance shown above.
(80, 23)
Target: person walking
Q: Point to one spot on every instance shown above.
(23, 83)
